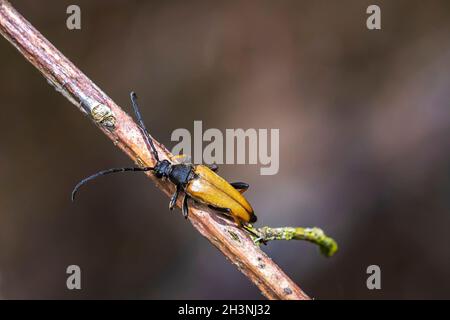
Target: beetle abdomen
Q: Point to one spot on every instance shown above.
(212, 189)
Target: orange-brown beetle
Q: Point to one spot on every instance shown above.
(199, 182)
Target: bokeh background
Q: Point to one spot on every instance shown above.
(364, 121)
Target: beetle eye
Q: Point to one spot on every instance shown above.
(158, 174)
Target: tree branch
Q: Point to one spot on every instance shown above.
(232, 241)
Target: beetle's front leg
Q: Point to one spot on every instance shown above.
(181, 158)
(174, 198)
(213, 167)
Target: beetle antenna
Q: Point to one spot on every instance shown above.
(105, 172)
(148, 138)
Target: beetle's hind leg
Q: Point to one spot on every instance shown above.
(238, 222)
(227, 213)
(224, 210)
(240, 186)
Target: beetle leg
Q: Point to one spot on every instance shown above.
(238, 222)
(224, 210)
(174, 198)
(182, 158)
(214, 167)
(184, 208)
(228, 214)
(240, 186)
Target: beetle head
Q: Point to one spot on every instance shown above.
(162, 168)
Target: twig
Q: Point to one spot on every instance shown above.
(232, 241)
(327, 245)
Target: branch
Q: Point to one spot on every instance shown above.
(327, 245)
(66, 78)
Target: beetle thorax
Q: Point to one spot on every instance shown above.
(181, 174)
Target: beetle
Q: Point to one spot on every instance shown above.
(200, 182)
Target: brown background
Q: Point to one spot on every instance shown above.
(364, 124)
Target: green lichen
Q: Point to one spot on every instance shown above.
(327, 245)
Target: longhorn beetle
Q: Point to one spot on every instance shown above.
(200, 183)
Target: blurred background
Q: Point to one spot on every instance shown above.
(364, 123)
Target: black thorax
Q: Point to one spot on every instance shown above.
(178, 174)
